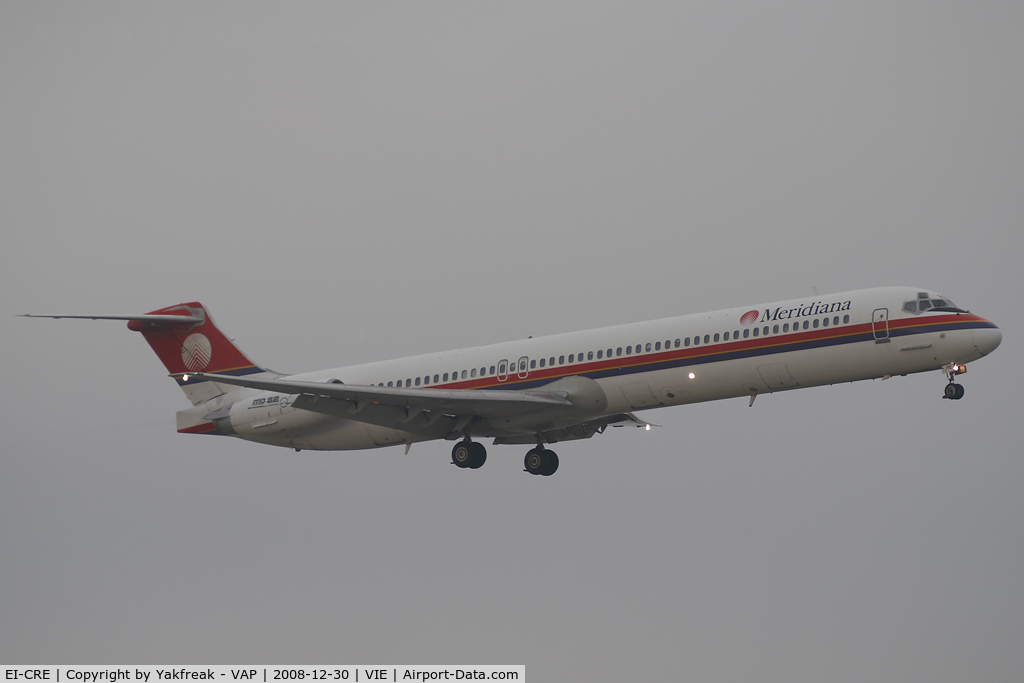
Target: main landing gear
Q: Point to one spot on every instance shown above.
(541, 461)
(472, 455)
(469, 454)
(953, 391)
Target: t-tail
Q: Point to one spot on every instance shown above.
(194, 345)
(186, 340)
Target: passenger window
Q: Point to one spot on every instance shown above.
(765, 330)
(590, 355)
(445, 377)
(716, 337)
(725, 337)
(408, 382)
(618, 351)
(657, 346)
(775, 329)
(417, 381)
(647, 348)
(463, 374)
(677, 343)
(570, 358)
(608, 353)
(846, 319)
(472, 373)
(696, 341)
(533, 364)
(599, 353)
(668, 344)
(835, 320)
(824, 322)
(707, 338)
(757, 331)
(736, 334)
(391, 384)
(815, 324)
(629, 350)
(542, 361)
(551, 361)
(806, 324)
(492, 370)
(785, 328)
(561, 360)
(746, 333)
(686, 342)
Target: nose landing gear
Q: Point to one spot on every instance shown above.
(953, 391)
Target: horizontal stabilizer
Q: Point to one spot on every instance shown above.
(154, 319)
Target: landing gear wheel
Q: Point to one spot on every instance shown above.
(462, 454)
(534, 462)
(541, 461)
(953, 391)
(550, 463)
(478, 455)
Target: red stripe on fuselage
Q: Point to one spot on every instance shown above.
(711, 349)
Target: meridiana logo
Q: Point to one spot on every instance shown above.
(750, 317)
(196, 352)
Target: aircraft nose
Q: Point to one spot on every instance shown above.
(987, 339)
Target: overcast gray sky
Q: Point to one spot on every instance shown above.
(348, 183)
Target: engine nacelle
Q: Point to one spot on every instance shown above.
(266, 413)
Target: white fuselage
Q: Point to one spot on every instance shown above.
(738, 352)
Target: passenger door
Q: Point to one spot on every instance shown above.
(880, 324)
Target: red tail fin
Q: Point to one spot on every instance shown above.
(194, 347)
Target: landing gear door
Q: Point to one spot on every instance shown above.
(880, 323)
(502, 370)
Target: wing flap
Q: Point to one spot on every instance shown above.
(581, 430)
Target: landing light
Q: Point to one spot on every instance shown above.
(184, 378)
(692, 375)
(647, 427)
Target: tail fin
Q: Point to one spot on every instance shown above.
(193, 345)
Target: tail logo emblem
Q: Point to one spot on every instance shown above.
(196, 352)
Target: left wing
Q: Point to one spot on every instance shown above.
(476, 402)
(415, 410)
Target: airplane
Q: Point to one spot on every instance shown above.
(546, 390)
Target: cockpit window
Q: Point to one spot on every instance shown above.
(922, 305)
